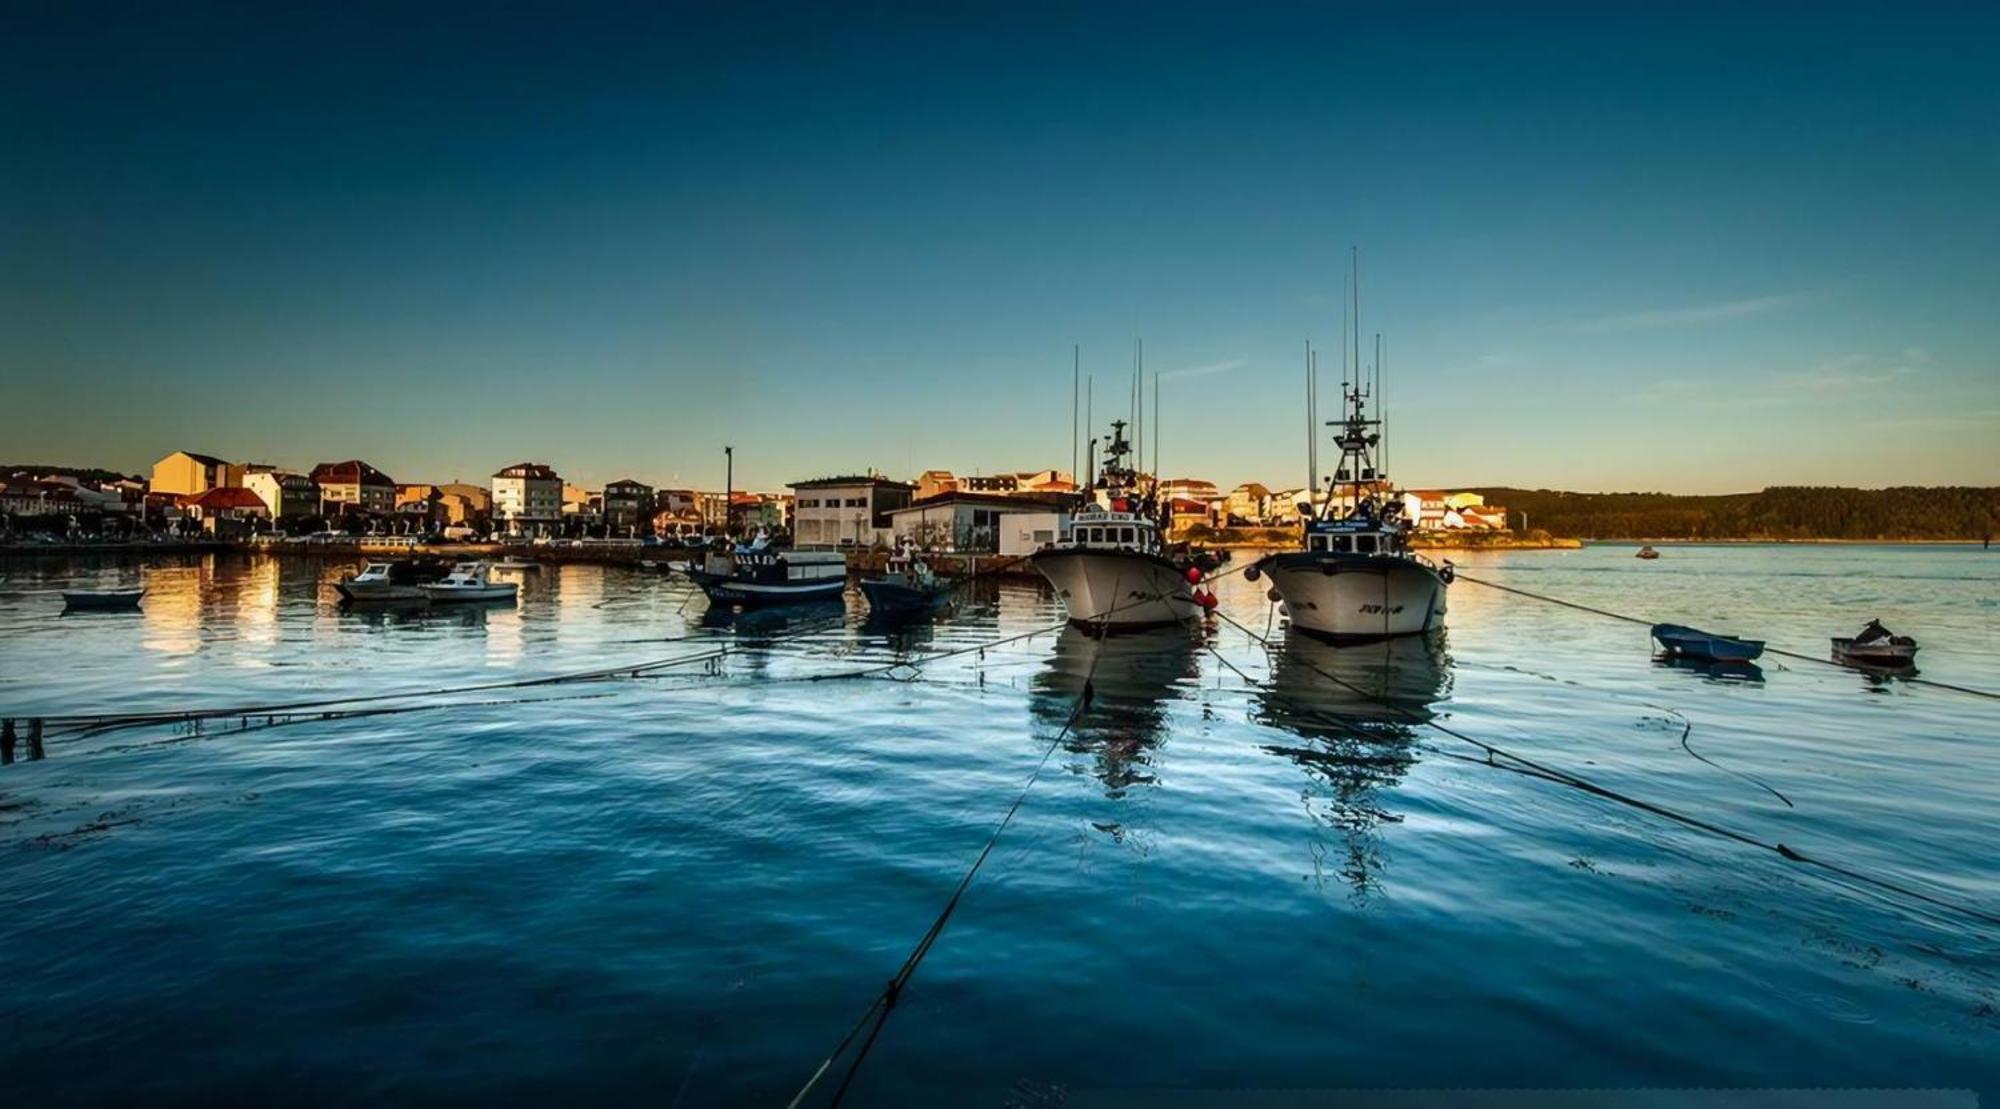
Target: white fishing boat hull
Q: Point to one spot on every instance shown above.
(1116, 590)
(1346, 598)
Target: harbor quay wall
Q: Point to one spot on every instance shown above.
(859, 560)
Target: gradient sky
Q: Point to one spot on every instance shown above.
(1610, 247)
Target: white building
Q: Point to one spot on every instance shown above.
(527, 498)
(848, 511)
(961, 521)
(1024, 533)
(285, 494)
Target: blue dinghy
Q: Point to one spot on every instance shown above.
(1685, 642)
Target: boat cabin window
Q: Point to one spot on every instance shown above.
(1364, 544)
(1341, 544)
(1125, 535)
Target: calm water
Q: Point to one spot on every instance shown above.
(688, 886)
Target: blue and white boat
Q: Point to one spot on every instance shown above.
(907, 587)
(759, 574)
(1685, 642)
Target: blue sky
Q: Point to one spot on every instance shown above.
(1610, 247)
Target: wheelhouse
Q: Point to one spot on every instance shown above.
(1355, 537)
(1113, 531)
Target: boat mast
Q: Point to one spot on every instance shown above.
(1312, 423)
(1075, 380)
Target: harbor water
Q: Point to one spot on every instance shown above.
(1243, 867)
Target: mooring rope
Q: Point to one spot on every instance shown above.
(885, 1001)
(1545, 598)
(1575, 781)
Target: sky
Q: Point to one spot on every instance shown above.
(1665, 247)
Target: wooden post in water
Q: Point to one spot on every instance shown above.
(6, 741)
(35, 739)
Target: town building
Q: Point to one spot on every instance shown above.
(1023, 481)
(27, 496)
(185, 473)
(628, 504)
(1248, 503)
(1191, 489)
(1186, 512)
(847, 511)
(465, 506)
(961, 521)
(581, 506)
(353, 486)
(527, 498)
(1024, 533)
(286, 495)
(229, 512)
(933, 483)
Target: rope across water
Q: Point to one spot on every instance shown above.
(1608, 614)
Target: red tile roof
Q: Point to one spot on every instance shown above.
(227, 496)
(351, 472)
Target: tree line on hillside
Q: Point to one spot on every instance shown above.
(1780, 512)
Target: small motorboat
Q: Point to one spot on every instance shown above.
(468, 581)
(1686, 642)
(1647, 553)
(382, 582)
(1875, 648)
(907, 587)
(100, 600)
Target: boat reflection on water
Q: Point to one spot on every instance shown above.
(421, 613)
(776, 620)
(1358, 710)
(1132, 677)
(1718, 670)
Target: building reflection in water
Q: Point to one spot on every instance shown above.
(1356, 711)
(175, 593)
(1133, 679)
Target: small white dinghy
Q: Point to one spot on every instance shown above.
(102, 599)
(468, 581)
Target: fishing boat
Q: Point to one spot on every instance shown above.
(1647, 552)
(1109, 563)
(1875, 648)
(469, 581)
(101, 600)
(382, 581)
(1685, 642)
(757, 574)
(906, 587)
(1355, 579)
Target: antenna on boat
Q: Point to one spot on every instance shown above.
(1375, 389)
(1312, 421)
(1090, 456)
(1075, 380)
(1156, 429)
